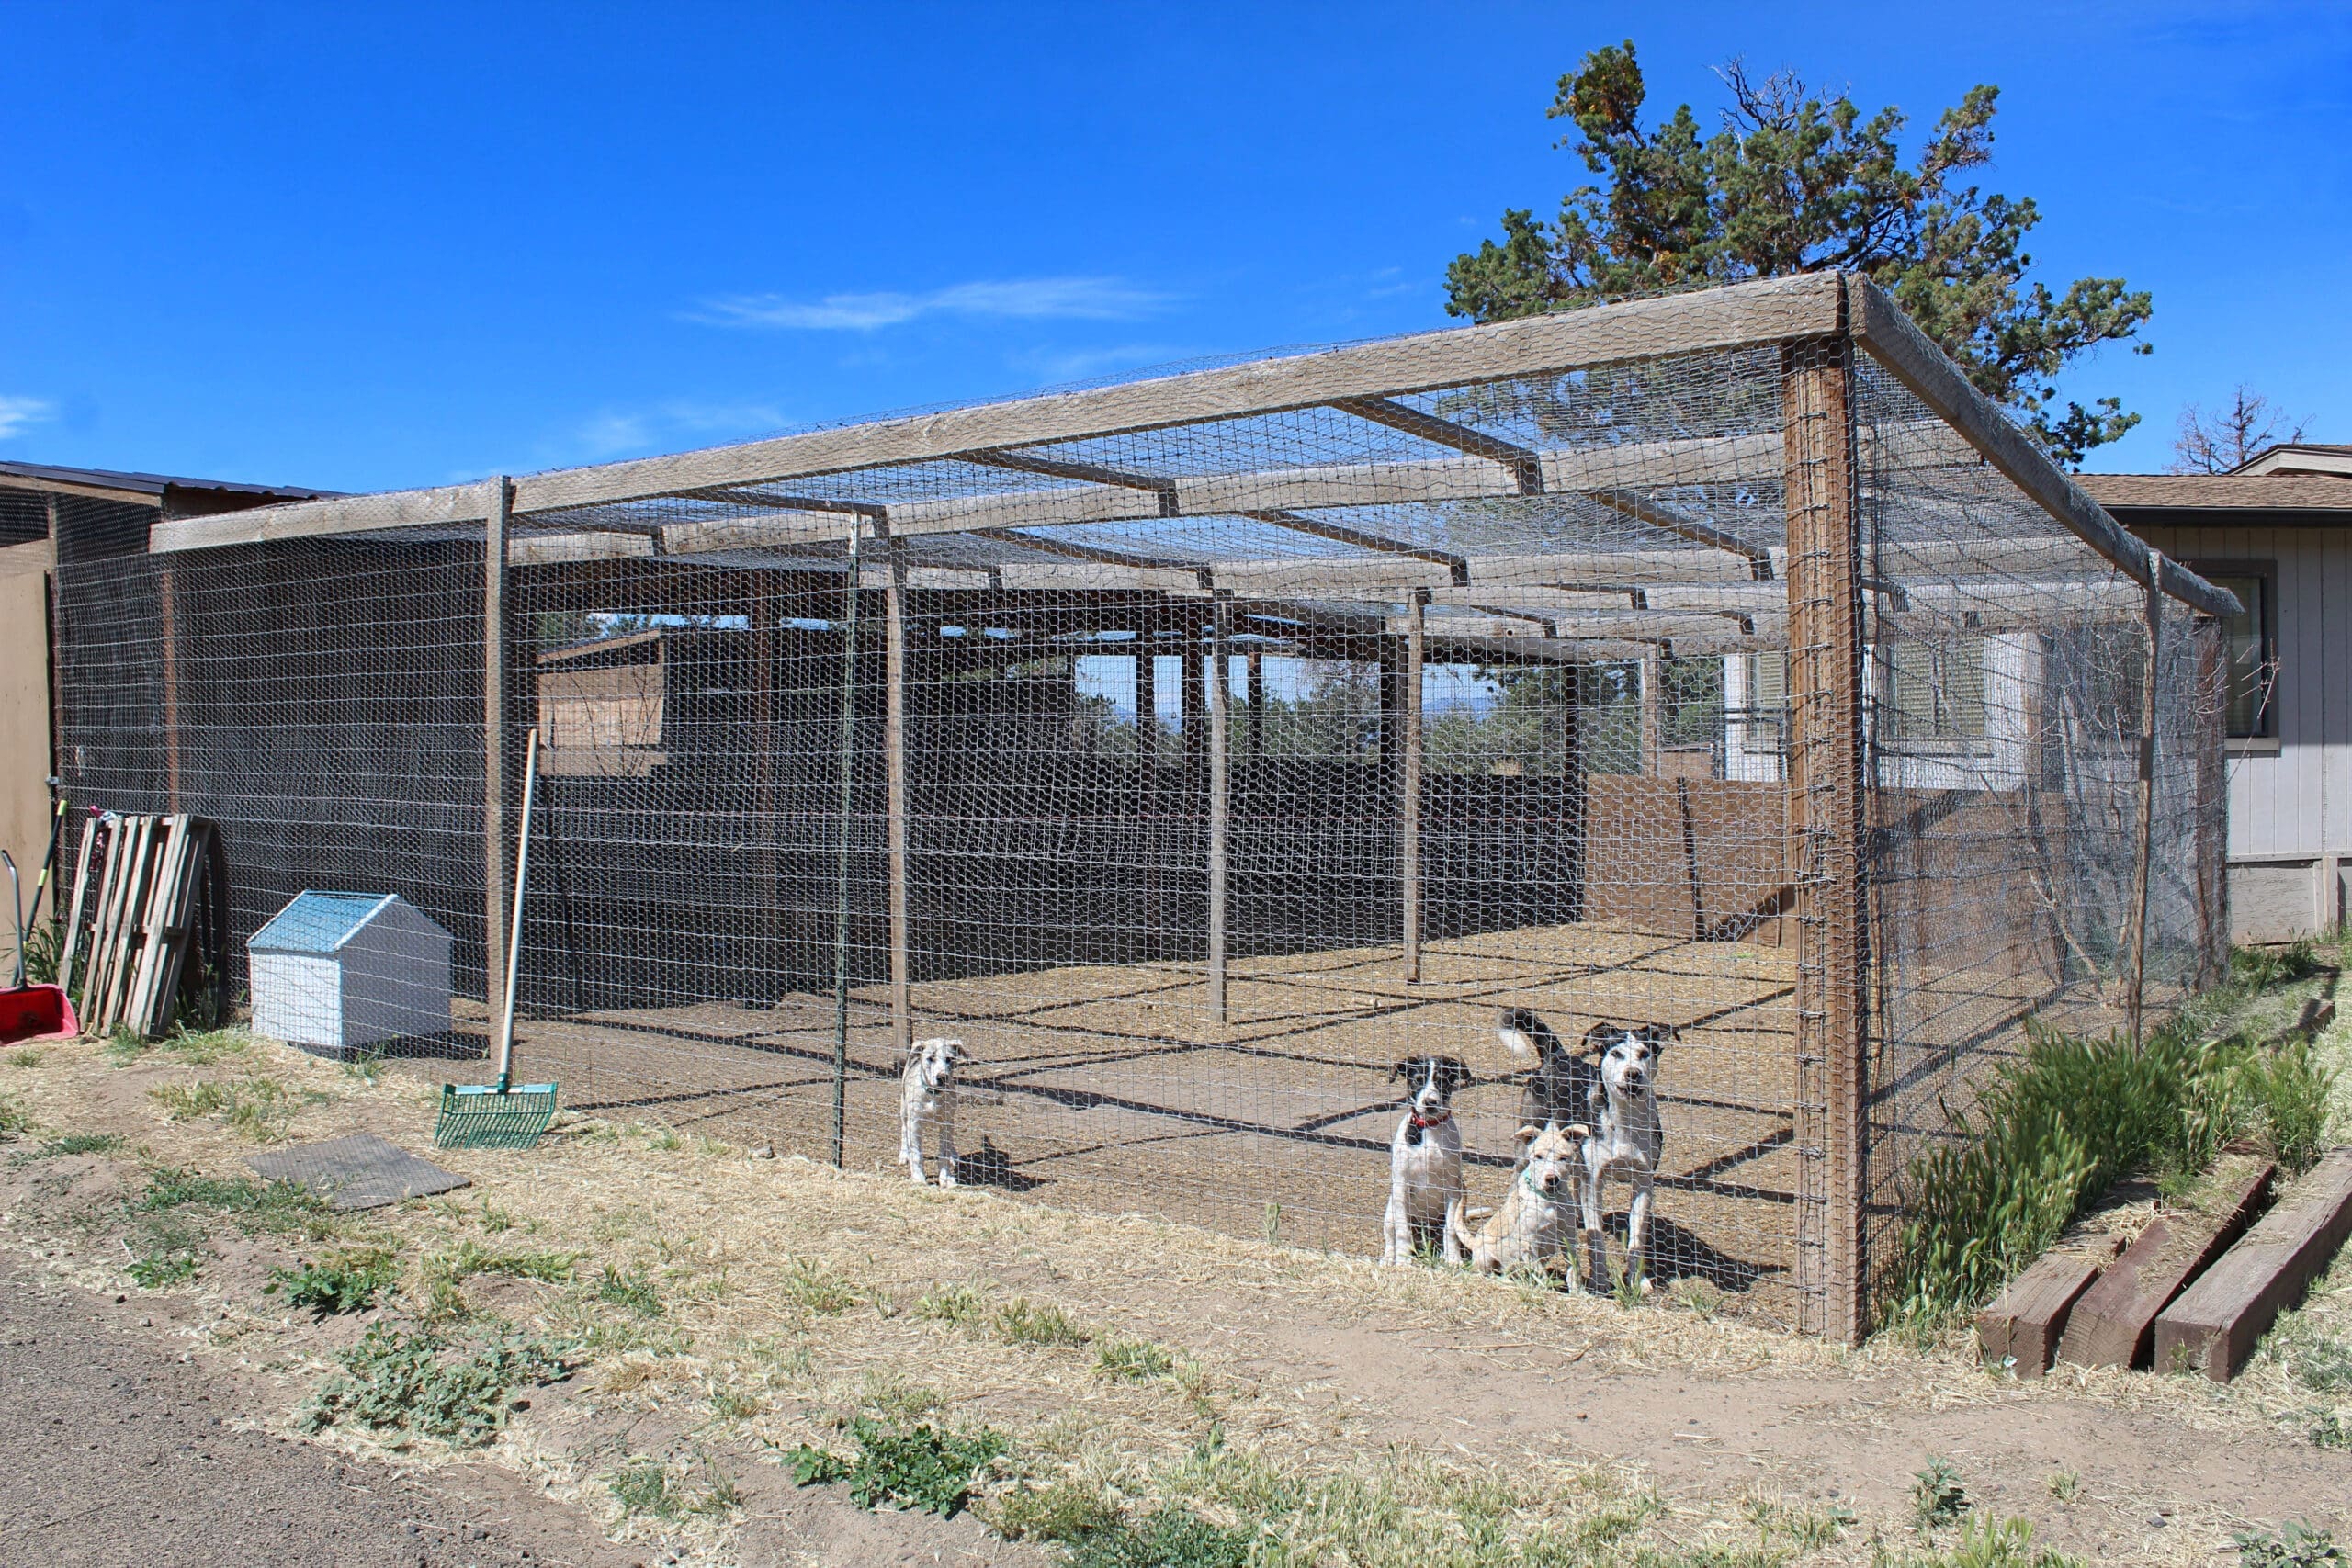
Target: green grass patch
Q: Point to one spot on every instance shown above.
(28, 1057)
(1023, 1322)
(667, 1490)
(470, 1257)
(162, 1267)
(811, 1286)
(632, 1291)
(2056, 1128)
(14, 1121)
(395, 1380)
(257, 1207)
(2293, 1545)
(918, 1467)
(959, 1305)
(79, 1143)
(347, 1281)
(1122, 1359)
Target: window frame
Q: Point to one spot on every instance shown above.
(2266, 634)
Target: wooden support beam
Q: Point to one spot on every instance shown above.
(1198, 573)
(2144, 797)
(494, 501)
(1673, 520)
(1455, 565)
(1826, 808)
(1913, 359)
(1163, 490)
(1409, 813)
(1523, 461)
(1220, 702)
(893, 741)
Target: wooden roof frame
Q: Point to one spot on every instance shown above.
(1364, 379)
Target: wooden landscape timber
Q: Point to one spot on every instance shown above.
(2218, 1321)
(2022, 1327)
(2114, 1324)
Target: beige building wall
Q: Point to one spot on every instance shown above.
(24, 722)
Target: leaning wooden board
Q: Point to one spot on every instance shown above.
(2219, 1320)
(2020, 1329)
(2114, 1324)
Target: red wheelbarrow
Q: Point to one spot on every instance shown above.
(31, 1013)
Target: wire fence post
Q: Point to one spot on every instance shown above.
(493, 743)
(894, 744)
(2135, 998)
(1220, 701)
(1826, 808)
(1409, 815)
(840, 876)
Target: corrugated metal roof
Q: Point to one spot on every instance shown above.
(133, 483)
(319, 922)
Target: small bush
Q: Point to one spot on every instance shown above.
(2293, 1546)
(918, 1467)
(1018, 1321)
(345, 1283)
(1132, 1360)
(394, 1379)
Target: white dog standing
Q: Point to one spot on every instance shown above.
(928, 1098)
(1629, 1142)
(1539, 1213)
(1425, 1191)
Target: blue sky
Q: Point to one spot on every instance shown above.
(366, 247)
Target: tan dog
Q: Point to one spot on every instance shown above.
(1539, 1213)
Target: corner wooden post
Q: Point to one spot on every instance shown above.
(1220, 702)
(494, 738)
(1409, 814)
(2143, 793)
(1826, 801)
(894, 741)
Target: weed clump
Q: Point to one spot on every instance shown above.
(919, 1467)
(1134, 1360)
(2293, 1545)
(79, 1143)
(395, 1380)
(1020, 1321)
(347, 1282)
(632, 1291)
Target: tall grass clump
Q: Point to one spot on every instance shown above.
(2050, 1131)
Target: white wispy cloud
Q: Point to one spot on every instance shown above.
(614, 433)
(1077, 364)
(1017, 300)
(16, 413)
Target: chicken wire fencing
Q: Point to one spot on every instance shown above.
(1197, 748)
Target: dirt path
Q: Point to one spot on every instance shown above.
(121, 1452)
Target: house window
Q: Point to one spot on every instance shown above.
(2250, 649)
(1938, 690)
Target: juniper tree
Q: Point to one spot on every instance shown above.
(1794, 181)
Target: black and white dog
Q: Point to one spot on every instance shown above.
(1627, 1140)
(927, 1096)
(1565, 1088)
(1426, 1195)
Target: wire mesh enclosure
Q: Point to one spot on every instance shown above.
(1194, 748)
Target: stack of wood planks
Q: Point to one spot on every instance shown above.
(146, 889)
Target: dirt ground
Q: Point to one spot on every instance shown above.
(791, 1296)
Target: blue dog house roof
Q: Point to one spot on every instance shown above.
(320, 923)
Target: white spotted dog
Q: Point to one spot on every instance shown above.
(1425, 1191)
(1629, 1142)
(928, 1098)
(1541, 1211)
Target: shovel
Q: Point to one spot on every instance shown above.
(31, 1013)
(501, 1115)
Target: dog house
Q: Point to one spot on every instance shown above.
(1195, 748)
(336, 972)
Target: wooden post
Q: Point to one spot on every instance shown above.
(853, 584)
(1147, 946)
(2135, 998)
(893, 741)
(1826, 800)
(1257, 705)
(1220, 705)
(494, 741)
(2212, 786)
(1409, 815)
(1653, 693)
(765, 861)
(1573, 787)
